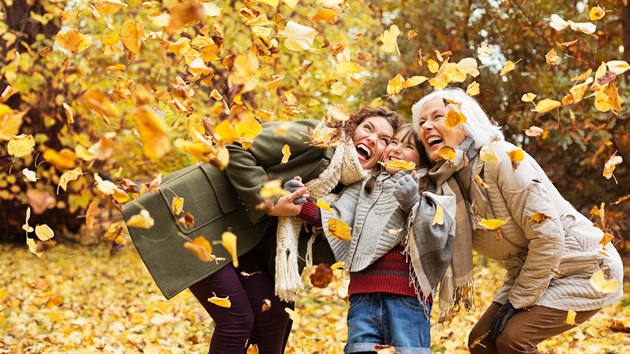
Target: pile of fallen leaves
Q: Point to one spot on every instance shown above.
(79, 299)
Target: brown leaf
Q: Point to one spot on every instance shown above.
(266, 305)
(40, 201)
(187, 221)
(322, 276)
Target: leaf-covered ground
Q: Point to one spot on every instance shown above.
(110, 305)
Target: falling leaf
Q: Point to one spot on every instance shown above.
(185, 14)
(337, 88)
(584, 27)
(177, 205)
(187, 221)
(487, 154)
(323, 205)
(292, 315)
(64, 159)
(98, 102)
(400, 165)
(447, 153)
(603, 285)
(9, 122)
(90, 214)
(492, 224)
(110, 189)
(108, 7)
(266, 305)
(395, 85)
(141, 220)
(480, 182)
(438, 219)
(131, 34)
(337, 265)
(621, 199)
(516, 156)
(618, 67)
(73, 41)
(54, 301)
(32, 246)
(152, 129)
(570, 320)
(26, 227)
(286, 154)
(272, 188)
(433, 66)
(546, 105)
(339, 229)
(596, 13)
(534, 131)
(201, 248)
(472, 89)
(248, 129)
(67, 177)
(539, 217)
(609, 167)
(552, 57)
(221, 301)
(389, 38)
(228, 241)
(298, 37)
(29, 175)
(44, 232)
(326, 15)
(322, 276)
(21, 145)
(606, 238)
(509, 66)
(582, 76)
(454, 118)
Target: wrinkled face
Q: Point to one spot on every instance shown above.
(433, 132)
(401, 148)
(370, 138)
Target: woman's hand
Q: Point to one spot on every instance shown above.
(285, 206)
(294, 184)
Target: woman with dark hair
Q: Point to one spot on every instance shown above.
(360, 145)
(549, 249)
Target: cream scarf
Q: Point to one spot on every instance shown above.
(344, 168)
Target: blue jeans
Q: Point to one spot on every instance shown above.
(388, 319)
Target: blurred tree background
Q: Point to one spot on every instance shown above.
(101, 92)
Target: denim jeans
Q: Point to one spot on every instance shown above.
(388, 319)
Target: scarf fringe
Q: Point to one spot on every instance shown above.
(288, 279)
(462, 295)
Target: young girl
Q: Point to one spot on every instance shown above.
(397, 253)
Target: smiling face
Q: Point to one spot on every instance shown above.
(402, 147)
(370, 138)
(433, 132)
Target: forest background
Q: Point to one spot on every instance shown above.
(94, 92)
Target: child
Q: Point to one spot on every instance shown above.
(390, 284)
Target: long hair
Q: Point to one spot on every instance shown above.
(477, 126)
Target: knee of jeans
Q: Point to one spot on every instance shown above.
(241, 322)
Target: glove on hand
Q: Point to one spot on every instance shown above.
(406, 191)
(500, 320)
(292, 185)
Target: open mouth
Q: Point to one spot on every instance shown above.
(434, 140)
(364, 152)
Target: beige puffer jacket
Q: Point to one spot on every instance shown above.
(548, 263)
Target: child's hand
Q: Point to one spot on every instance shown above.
(406, 191)
(293, 185)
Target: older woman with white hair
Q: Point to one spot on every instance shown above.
(549, 249)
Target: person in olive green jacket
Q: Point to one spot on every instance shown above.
(250, 287)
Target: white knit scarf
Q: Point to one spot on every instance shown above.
(344, 168)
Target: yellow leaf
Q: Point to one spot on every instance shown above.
(228, 241)
(44, 232)
(606, 239)
(552, 57)
(21, 145)
(273, 85)
(582, 76)
(152, 129)
(323, 205)
(487, 154)
(131, 36)
(539, 217)
(201, 248)
(516, 155)
(337, 265)
(433, 66)
(292, 315)
(248, 129)
(414, 81)
(216, 95)
(10, 122)
(509, 66)
(244, 72)
(68, 176)
(141, 220)
(298, 37)
(603, 285)
(253, 348)
(438, 219)
(108, 7)
(618, 67)
(286, 153)
(98, 102)
(54, 301)
(90, 214)
(480, 182)
(73, 41)
(282, 129)
(62, 160)
(546, 105)
(185, 14)
(272, 188)
(177, 205)
(32, 246)
(400, 165)
(221, 301)
(197, 67)
(26, 227)
(395, 85)
(226, 132)
(570, 317)
(578, 91)
(472, 89)
(447, 153)
(273, 3)
(29, 175)
(339, 229)
(389, 40)
(492, 224)
(596, 13)
(609, 167)
(454, 118)
(337, 88)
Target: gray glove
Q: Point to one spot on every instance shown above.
(406, 192)
(291, 186)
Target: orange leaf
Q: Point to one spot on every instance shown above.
(539, 217)
(492, 224)
(201, 248)
(221, 301)
(447, 153)
(339, 229)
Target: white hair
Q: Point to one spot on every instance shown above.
(477, 126)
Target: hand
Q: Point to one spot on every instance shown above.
(285, 206)
(292, 185)
(406, 191)
(500, 320)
